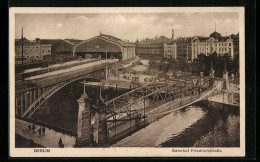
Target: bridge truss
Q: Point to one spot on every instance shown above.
(150, 102)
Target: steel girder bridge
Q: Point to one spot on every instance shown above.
(28, 101)
(137, 108)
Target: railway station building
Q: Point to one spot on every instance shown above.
(105, 46)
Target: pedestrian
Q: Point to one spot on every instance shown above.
(29, 127)
(40, 131)
(60, 143)
(43, 131)
(33, 127)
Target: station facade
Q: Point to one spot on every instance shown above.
(105, 46)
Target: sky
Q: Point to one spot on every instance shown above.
(126, 26)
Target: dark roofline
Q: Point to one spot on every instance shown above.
(117, 40)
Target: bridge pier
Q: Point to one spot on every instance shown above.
(100, 126)
(84, 122)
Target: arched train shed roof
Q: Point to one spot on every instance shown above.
(103, 43)
(106, 43)
(62, 46)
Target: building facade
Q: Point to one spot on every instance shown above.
(179, 49)
(152, 46)
(215, 43)
(184, 51)
(170, 50)
(32, 50)
(148, 48)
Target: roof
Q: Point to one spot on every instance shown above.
(171, 43)
(74, 41)
(69, 42)
(116, 40)
(48, 41)
(215, 34)
(203, 39)
(109, 37)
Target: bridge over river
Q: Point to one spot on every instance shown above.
(109, 121)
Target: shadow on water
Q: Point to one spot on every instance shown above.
(217, 128)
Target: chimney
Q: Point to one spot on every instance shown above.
(172, 34)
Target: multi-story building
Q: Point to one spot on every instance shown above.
(215, 43)
(31, 49)
(235, 44)
(183, 45)
(150, 49)
(170, 50)
(179, 49)
(45, 49)
(152, 46)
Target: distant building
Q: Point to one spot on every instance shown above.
(45, 49)
(105, 46)
(32, 50)
(184, 50)
(235, 44)
(170, 50)
(179, 49)
(215, 43)
(150, 49)
(152, 46)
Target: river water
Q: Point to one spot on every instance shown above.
(193, 126)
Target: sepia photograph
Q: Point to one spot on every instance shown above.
(108, 82)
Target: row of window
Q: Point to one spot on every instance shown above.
(211, 49)
(223, 44)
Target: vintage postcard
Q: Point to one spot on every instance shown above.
(127, 82)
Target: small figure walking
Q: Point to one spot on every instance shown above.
(43, 131)
(60, 143)
(33, 127)
(40, 131)
(29, 127)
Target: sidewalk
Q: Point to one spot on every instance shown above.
(121, 127)
(49, 140)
